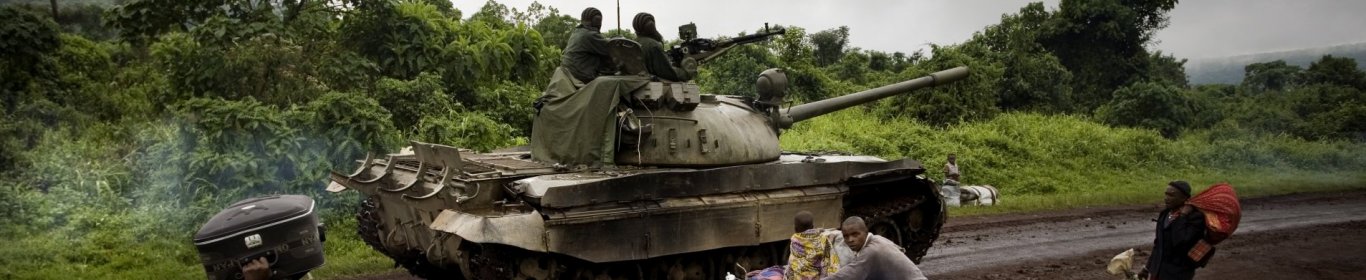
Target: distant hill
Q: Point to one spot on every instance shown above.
(1229, 70)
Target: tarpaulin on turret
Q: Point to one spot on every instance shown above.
(577, 122)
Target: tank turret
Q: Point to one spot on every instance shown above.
(674, 125)
(655, 122)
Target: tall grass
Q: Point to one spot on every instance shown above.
(1050, 162)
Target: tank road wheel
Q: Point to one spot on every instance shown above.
(536, 268)
(907, 212)
(887, 228)
(368, 228)
(367, 225)
(689, 268)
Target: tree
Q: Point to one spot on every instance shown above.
(1335, 71)
(830, 45)
(1154, 105)
(1033, 78)
(497, 16)
(879, 61)
(967, 100)
(556, 27)
(1166, 69)
(1271, 76)
(1103, 43)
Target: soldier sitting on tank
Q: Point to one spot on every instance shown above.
(586, 54)
(652, 46)
(875, 257)
(812, 254)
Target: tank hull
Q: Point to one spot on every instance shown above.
(511, 221)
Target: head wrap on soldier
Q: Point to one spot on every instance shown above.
(644, 30)
(586, 18)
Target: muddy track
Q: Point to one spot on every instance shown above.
(1317, 235)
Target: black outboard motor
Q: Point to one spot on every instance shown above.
(284, 229)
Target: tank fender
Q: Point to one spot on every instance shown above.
(521, 230)
(884, 176)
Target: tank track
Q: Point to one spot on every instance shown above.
(368, 229)
(913, 221)
(493, 261)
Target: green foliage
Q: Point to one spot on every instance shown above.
(26, 40)
(967, 100)
(1031, 154)
(410, 100)
(1335, 71)
(735, 72)
(1151, 105)
(344, 126)
(1271, 76)
(556, 28)
(509, 104)
(829, 45)
(470, 130)
(1103, 43)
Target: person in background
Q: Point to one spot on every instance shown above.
(811, 255)
(1179, 228)
(875, 257)
(652, 46)
(586, 54)
(951, 170)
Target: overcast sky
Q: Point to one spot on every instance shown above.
(1199, 28)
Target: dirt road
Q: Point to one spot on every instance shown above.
(1317, 236)
(1306, 236)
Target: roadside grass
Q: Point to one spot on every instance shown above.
(1150, 193)
(1044, 163)
(115, 253)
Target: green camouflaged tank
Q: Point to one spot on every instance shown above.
(630, 177)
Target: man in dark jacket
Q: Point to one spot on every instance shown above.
(1179, 228)
(652, 46)
(586, 54)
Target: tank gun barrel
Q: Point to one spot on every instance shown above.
(821, 107)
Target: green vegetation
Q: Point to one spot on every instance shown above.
(126, 126)
(1055, 162)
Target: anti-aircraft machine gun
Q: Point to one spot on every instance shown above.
(702, 50)
(630, 177)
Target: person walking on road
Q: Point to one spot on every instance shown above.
(875, 257)
(1179, 228)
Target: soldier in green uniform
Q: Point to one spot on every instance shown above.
(652, 46)
(585, 55)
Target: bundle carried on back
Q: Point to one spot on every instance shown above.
(1222, 213)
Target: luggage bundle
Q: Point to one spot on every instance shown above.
(1222, 213)
(284, 229)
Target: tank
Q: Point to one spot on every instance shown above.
(631, 177)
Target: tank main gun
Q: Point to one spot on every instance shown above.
(772, 87)
(703, 49)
